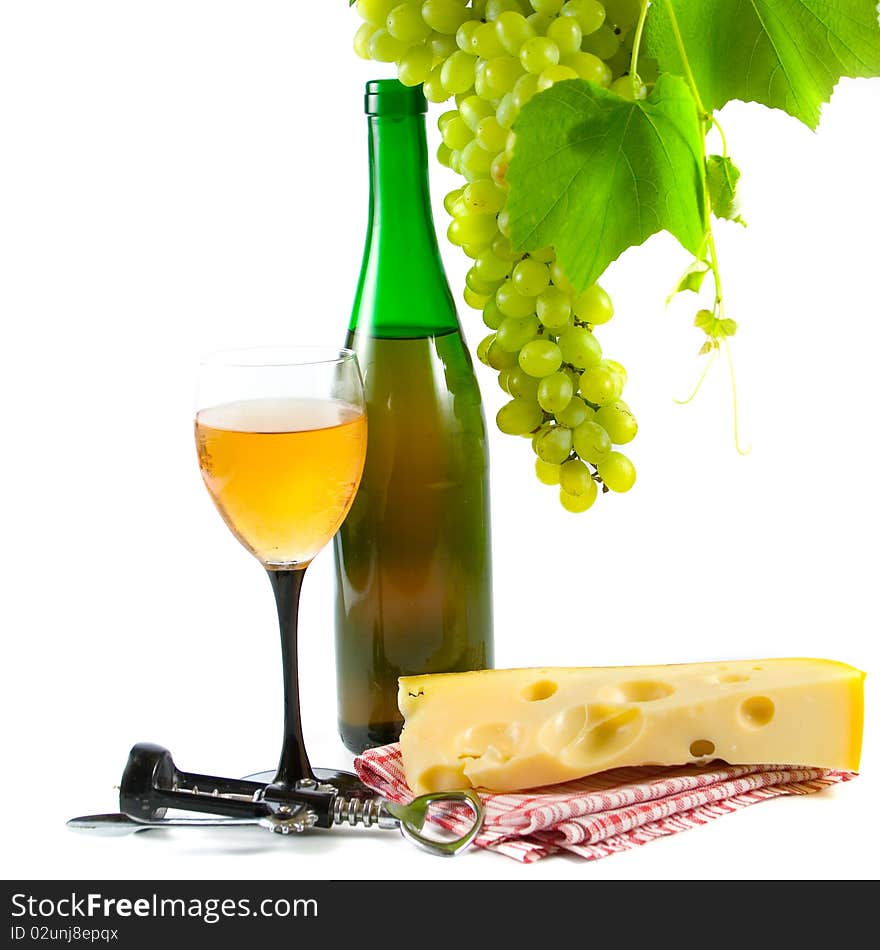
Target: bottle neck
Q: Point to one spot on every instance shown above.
(403, 292)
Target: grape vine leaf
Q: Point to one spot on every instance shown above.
(692, 279)
(593, 173)
(785, 54)
(722, 177)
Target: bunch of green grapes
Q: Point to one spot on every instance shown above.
(492, 57)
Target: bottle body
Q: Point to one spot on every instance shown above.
(413, 558)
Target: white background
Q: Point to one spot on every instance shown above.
(181, 176)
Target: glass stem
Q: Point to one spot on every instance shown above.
(294, 764)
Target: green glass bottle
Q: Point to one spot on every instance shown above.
(414, 590)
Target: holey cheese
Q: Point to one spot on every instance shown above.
(513, 729)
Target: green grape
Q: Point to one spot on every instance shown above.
(483, 348)
(554, 309)
(525, 88)
(604, 43)
(500, 167)
(566, 33)
(591, 441)
(624, 88)
(502, 248)
(623, 13)
(445, 118)
(578, 503)
(546, 255)
(503, 383)
(476, 162)
(494, 8)
(456, 133)
(434, 91)
(555, 392)
(521, 385)
(548, 7)
(576, 412)
(490, 267)
(617, 471)
(500, 359)
(492, 316)
(539, 23)
(547, 472)
(537, 54)
(589, 13)
(473, 109)
(553, 444)
(555, 74)
(473, 251)
(504, 222)
(540, 358)
(531, 277)
(589, 67)
(362, 39)
(444, 16)
(593, 306)
(511, 303)
(575, 478)
(384, 48)
(618, 368)
(507, 111)
(502, 73)
(618, 421)
(515, 332)
(464, 37)
(475, 300)
(442, 46)
(486, 42)
(479, 285)
(405, 23)
(415, 65)
(457, 74)
(559, 279)
(452, 199)
(375, 11)
(513, 30)
(491, 136)
(483, 197)
(519, 416)
(600, 385)
(444, 155)
(477, 229)
(580, 348)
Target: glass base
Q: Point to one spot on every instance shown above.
(346, 783)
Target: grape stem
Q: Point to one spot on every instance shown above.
(637, 42)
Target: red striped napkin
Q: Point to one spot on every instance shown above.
(609, 812)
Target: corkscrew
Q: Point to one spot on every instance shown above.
(152, 784)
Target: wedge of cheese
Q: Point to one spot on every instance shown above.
(513, 729)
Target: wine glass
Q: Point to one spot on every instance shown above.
(281, 434)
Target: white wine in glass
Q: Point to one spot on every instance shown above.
(281, 435)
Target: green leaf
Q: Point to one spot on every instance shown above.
(785, 54)
(593, 174)
(722, 177)
(692, 279)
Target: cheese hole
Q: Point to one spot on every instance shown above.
(702, 747)
(563, 728)
(757, 711)
(638, 691)
(757, 667)
(729, 678)
(535, 692)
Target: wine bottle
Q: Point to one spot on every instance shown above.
(414, 591)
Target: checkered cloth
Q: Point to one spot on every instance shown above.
(612, 811)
